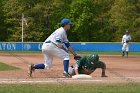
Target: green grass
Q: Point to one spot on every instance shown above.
(70, 88)
(108, 53)
(5, 67)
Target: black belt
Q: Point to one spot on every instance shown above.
(48, 42)
(51, 42)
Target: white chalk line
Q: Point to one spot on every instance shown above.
(62, 80)
(45, 81)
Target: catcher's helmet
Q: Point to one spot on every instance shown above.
(94, 58)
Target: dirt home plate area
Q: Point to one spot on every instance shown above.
(126, 70)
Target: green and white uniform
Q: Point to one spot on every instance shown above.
(86, 66)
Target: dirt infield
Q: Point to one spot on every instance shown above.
(118, 69)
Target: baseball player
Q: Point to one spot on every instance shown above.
(125, 43)
(87, 65)
(53, 46)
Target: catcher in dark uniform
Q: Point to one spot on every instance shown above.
(87, 65)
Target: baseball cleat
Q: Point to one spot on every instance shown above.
(66, 75)
(31, 69)
(104, 76)
(122, 55)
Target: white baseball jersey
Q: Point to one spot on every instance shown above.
(126, 38)
(50, 50)
(60, 34)
(125, 46)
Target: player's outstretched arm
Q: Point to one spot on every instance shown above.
(67, 44)
(76, 68)
(76, 71)
(72, 51)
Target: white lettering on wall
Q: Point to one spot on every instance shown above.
(27, 46)
(40, 46)
(7, 46)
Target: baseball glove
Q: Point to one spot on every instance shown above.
(77, 57)
(127, 41)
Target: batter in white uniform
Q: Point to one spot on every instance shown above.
(125, 42)
(54, 46)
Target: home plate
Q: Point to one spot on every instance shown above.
(81, 76)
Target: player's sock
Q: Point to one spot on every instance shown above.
(39, 66)
(123, 53)
(127, 54)
(103, 74)
(66, 65)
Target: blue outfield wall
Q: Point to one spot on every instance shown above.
(100, 47)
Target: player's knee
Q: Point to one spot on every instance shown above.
(127, 50)
(66, 57)
(48, 66)
(123, 49)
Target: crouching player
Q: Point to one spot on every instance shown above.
(87, 65)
